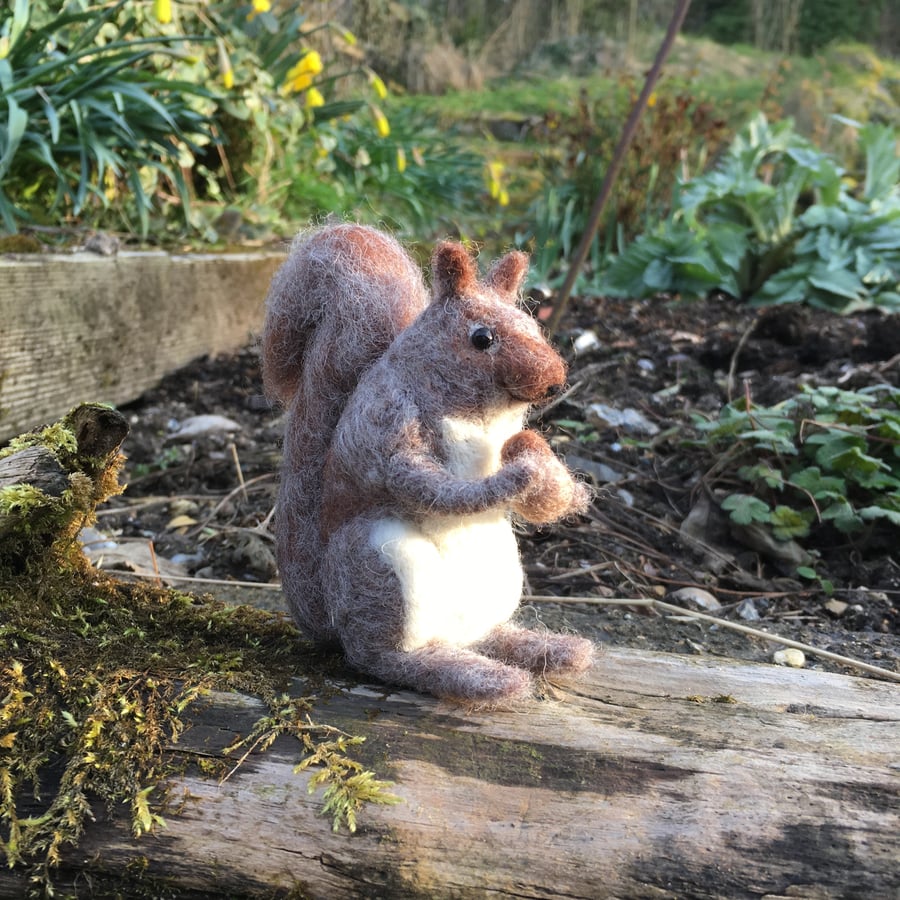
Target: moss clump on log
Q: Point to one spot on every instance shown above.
(97, 674)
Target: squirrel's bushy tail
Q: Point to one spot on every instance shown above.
(334, 307)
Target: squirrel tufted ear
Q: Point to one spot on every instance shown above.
(508, 273)
(453, 270)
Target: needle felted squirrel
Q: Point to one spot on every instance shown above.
(405, 457)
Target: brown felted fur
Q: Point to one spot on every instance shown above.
(404, 458)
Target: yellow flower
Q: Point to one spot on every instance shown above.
(382, 126)
(651, 100)
(259, 6)
(401, 160)
(349, 37)
(162, 9)
(300, 76)
(311, 63)
(503, 197)
(314, 98)
(225, 69)
(109, 185)
(378, 86)
(494, 176)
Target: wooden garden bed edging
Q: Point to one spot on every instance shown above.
(656, 776)
(106, 328)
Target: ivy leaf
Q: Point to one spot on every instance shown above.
(744, 509)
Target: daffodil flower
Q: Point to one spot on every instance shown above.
(401, 160)
(162, 9)
(378, 86)
(382, 126)
(225, 69)
(259, 6)
(300, 76)
(314, 98)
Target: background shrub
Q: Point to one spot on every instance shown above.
(777, 221)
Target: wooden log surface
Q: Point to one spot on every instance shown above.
(656, 776)
(106, 328)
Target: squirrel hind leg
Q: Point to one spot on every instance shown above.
(451, 673)
(543, 653)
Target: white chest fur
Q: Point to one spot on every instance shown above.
(461, 575)
(473, 446)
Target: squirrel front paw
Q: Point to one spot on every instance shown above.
(551, 493)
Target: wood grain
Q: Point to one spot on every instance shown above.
(656, 776)
(87, 327)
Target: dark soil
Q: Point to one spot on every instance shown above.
(667, 362)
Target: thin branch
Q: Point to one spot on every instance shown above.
(723, 623)
(615, 165)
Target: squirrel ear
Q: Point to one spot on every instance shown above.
(508, 273)
(453, 270)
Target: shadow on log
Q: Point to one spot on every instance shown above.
(657, 776)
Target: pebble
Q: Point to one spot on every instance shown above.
(631, 420)
(747, 610)
(199, 426)
(586, 341)
(791, 656)
(691, 596)
(837, 607)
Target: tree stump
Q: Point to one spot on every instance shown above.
(655, 776)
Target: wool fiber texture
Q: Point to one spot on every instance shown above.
(405, 458)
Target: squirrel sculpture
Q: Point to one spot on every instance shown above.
(405, 456)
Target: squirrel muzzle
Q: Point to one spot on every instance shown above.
(535, 373)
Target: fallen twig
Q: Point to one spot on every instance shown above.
(724, 623)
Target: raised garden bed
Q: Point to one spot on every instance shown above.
(84, 327)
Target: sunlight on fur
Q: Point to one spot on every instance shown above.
(405, 459)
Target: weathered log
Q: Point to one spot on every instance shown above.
(55, 477)
(656, 776)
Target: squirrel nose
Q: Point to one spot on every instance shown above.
(554, 390)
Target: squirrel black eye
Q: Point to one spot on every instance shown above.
(482, 338)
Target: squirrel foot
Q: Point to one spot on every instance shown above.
(453, 673)
(543, 653)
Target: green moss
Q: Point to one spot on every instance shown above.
(22, 498)
(98, 677)
(20, 243)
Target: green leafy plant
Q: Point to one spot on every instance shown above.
(777, 221)
(419, 178)
(826, 458)
(83, 113)
(678, 133)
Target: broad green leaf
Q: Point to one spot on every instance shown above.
(882, 162)
(658, 275)
(763, 472)
(842, 515)
(868, 513)
(841, 282)
(745, 509)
